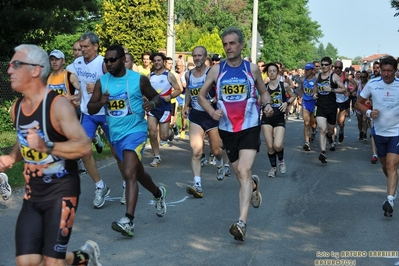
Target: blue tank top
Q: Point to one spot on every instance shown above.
(124, 111)
(308, 86)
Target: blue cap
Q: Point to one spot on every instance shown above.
(309, 66)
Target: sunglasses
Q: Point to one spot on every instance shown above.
(112, 59)
(325, 64)
(336, 67)
(16, 64)
(362, 77)
(316, 66)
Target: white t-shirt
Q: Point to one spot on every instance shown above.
(385, 98)
(88, 73)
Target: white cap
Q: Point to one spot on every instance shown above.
(57, 54)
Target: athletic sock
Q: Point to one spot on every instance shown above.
(100, 184)
(280, 155)
(158, 194)
(272, 159)
(197, 179)
(131, 217)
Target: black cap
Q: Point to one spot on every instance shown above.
(216, 57)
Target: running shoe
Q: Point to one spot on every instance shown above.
(361, 134)
(92, 249)
(306, 147)
(227, 170)
(238, 230)
(388, 208)
(332, 146)
(256, 199)
(164, 143)
(100, 194)
(123, 197)
(349, 120)
(212, 159)
(204, 161)
(160, 204)
(341, 137)
(322, 158)
(171, 135)
(272, 172)
(195, 190)
(220, 173)
(313, 135)
(81, 167)
(156, 162)
(124, 226)
(99, 144)
(374, 159)
(281, 166)
(175, 130)
(5, 188)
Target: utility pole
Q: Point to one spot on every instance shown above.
(254, 31)
(171, 34)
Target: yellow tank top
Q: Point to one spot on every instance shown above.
(143, 71)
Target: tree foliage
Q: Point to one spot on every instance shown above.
(287, 30)
(212, 43)
(139, 25)
(208, 15)
(331, 52)
(395, 5)
(37, 21)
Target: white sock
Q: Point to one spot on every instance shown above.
(124, 184)
(197, 180)
(100, 184)
(219, 163)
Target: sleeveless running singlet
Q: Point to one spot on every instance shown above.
(236, 96)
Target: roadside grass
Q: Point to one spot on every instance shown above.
(15, 177)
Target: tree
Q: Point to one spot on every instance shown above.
(331, 52)
(139, 25)
(187, 35)
(395, 4)
(287, 30)
(212, 42)
(320, 52)
(209, 14)
(37, 21)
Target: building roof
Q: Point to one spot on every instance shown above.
(374, 57)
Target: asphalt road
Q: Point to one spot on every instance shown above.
(315, 213)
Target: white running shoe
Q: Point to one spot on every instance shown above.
(281, 166)
(124, 226)
(220, 173)
(156, 162)
(195, 190)
(272, 172)
(5, 188)
(92, 249)
(123, 197)
(256, 199)
(100, 194)
(160, 203)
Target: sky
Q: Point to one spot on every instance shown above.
(357, 27)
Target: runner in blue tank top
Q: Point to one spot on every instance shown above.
(121, 91)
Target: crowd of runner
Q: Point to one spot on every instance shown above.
(226, 102)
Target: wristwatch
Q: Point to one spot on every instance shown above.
(212, 100)
(50, 146)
